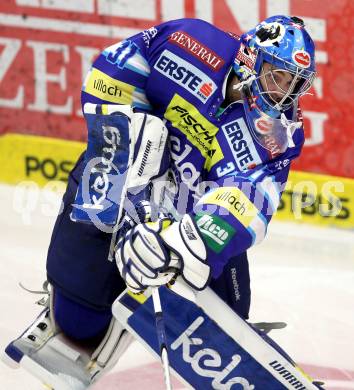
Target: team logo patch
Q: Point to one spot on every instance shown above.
(197, 49)
(148, 35)
(216, 232)
(263, 125)
(185, 75)
(104, 87)
(246, 57)
(241, 144)
(234, 201)
(270, 33)
(302, 58)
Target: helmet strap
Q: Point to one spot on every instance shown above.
(244, 83)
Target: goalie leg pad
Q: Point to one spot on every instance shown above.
(115, 342)
(209, 345)
(60, 363)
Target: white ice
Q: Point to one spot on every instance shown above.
(301, 275)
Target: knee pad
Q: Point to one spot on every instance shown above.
(77, 321)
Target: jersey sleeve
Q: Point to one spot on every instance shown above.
(120, 73)
(235, 214)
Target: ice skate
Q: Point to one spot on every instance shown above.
(57, 361)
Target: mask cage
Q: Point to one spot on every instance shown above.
(302, 80)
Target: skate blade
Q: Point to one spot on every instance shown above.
(49, 380)
(5, 358)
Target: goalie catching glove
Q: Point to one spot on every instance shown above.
(152, 253)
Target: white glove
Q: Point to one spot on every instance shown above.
(151, 254)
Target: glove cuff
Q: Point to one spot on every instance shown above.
(184, 240)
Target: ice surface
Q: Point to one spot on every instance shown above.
(301, 275)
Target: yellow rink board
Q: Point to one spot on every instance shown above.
(308, 197)
(39, 159)
(318, 199)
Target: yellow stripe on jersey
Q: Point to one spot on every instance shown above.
(234, 201)
(107, 88)
(104, 109)
(198, 130)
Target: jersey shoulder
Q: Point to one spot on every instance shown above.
(196, 37)
(194, 25)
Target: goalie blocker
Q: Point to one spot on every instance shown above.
(209, 345)
(126, 152)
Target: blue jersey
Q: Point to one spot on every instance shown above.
(227, 173)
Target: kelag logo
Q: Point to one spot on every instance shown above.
(98, 196)
(102, 182)
(99, 186)
(201, 359)
(186, 75)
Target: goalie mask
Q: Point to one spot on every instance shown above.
(277, 58)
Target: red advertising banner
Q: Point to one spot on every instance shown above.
(47, 46)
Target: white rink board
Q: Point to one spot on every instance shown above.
(301, 275)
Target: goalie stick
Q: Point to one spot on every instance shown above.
(161, 336)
